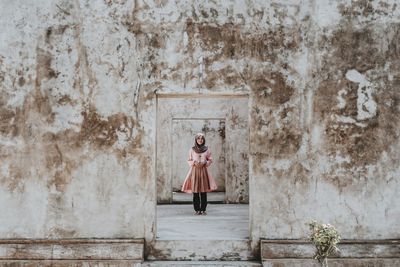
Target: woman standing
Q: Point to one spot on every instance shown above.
(199, 180)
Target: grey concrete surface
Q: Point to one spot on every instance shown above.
(201, 250)
(222, 222)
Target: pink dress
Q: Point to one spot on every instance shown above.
(199, 178)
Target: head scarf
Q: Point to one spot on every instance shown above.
(199, 148)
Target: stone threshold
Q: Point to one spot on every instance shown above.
(201, 250)
(201, 263)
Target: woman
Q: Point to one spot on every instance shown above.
(199, 180)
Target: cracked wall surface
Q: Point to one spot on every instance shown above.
(78, 81)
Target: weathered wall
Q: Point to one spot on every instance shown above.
(77, 81)
(75, 153)
(325, 123)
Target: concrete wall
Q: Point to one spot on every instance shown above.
(76, 147)
(77, 109)
(325, 122)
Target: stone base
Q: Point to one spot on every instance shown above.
(99, 252)
(127, 263)
(70, 263)
(332, 263)
(354, 253)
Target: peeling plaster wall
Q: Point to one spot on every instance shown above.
(77, 110)
(75, 143)
(325, 133)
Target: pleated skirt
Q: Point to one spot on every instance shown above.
(198, 181)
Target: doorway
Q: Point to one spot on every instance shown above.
(224, 121)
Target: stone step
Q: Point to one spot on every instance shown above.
(71, 263)
(202, 250)
(354, 253)
(201, 263)
(124, 263)
(72, 249)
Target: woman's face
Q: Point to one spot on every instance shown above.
(200, 140)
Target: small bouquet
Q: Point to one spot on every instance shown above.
(325, 238)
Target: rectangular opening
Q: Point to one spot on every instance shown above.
(224, 121)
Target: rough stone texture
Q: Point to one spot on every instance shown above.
(128, 264)
(202, 264)
(332, 262)
(301, 249)
(201, 250)
(325, 134)
(77, 110)
(70, 263)
(72, 249)
(75, 153)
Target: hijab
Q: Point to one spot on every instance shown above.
(199, 148)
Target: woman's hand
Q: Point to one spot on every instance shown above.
(199, 163)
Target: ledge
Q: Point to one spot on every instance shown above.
(302, 249)
(69, 263)
(72, 249)
(332, 262)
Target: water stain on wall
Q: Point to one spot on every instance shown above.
(365, 8)
(218, 42)
(229, 41)
(339, 100)
(60, 153)
(364, 139)
(274, 134)
(7, 121)
(271, 89)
